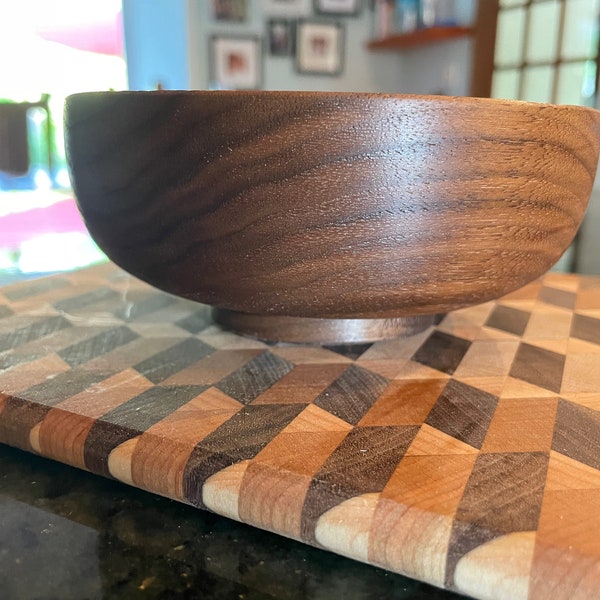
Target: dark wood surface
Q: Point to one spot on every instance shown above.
(484, 48)
(330, 205)
(467, 455)
(306, 330)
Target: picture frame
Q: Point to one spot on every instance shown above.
(320, 47)
(287, 8)
(280, 37)
(236, 62)
(341, 8)
(230, 10)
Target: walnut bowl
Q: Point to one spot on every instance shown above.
(330, 217)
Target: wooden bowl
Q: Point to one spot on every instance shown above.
(330, 217)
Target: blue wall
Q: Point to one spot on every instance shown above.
(156, 43)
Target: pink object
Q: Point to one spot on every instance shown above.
(104, 36)
(61, 217)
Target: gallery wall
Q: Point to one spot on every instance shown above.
(168, 42)
(361, 71)
(156, 43)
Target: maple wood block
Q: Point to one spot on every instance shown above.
(328, 217)
(569, 551)
(514, 552)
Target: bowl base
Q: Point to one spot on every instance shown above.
(306, 330)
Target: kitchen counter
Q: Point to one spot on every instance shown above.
(67, 534)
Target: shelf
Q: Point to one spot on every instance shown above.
(420, 37)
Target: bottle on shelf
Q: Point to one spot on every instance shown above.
(407, 15)
(392, 17)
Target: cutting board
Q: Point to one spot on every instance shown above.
(467, 456)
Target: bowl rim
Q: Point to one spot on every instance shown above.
(399, 97)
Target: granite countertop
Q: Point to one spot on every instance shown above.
(70, 534)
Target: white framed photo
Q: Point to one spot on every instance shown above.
(236, 62)
(319, 47)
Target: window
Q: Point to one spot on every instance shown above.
(546, 51)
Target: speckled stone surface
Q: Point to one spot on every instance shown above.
(68, 535)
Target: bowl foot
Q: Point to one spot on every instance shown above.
(306, 330)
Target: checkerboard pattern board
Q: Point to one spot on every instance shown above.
(467, 456)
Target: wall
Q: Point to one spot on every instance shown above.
(363, 71)
(589, 243)
(438, 69)
(167, 41)
(156, 43)
(589, 261)
(441, 68)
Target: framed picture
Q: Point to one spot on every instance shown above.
(319, 47)
(236, 62)
(281, 37)
(338, 7)
(230, 10)
(287, 8)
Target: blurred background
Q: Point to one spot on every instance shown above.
(536, 50)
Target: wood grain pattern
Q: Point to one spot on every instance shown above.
(457, 456)
(309, 330)
(514, 552)
(329, 205)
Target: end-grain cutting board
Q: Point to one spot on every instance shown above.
(467, 456)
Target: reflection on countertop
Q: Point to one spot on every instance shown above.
(41, 232)
(69, 534)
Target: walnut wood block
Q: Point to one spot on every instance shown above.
(307, 330)
(467, 455)
(327, 205)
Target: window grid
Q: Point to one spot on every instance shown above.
(523, 66)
